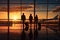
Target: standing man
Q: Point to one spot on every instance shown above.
(30, 18)
(30, 33)
(36, 20)
(23, 34)
(36, 31)
(23, 18)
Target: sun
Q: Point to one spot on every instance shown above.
(15, 18)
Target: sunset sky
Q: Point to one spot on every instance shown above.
(28, 8)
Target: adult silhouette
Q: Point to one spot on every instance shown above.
(30, 33)
(30, 18)
(36, 31)
(23, 18)
(36, 20)
(23, 34)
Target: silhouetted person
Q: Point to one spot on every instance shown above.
(39, 26)
(26, 26)
(36, 31)
(23, 35)
(30, 18)
(36, 19)
(23, 18)
(30, 35)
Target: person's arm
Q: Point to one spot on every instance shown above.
(25, 17)
(21, 17)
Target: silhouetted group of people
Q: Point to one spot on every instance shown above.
(23, 18)
(37, 26)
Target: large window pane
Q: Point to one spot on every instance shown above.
(3, 1)
(15, 1)
(53, 10)
(27, 1)
(53, 1)
(3, 22)
(41, 11)
(41, 1)
(48, 15)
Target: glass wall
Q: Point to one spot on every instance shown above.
(48, 12)
(3, 19)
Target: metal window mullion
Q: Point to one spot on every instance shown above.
(21, 13)
(31, 3)
(47, 18)
(8, 18)
(34, 16)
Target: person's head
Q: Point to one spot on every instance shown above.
(23, 13)
(30, 14)
(36, 15)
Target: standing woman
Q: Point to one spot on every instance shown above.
(36, 20)
(36, 31)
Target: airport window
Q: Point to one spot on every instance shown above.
(44, 21)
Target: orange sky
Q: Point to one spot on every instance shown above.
(17, 15)
(15, 12)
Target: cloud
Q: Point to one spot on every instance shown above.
(18, 8)
(15, 8)
(3, 9)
